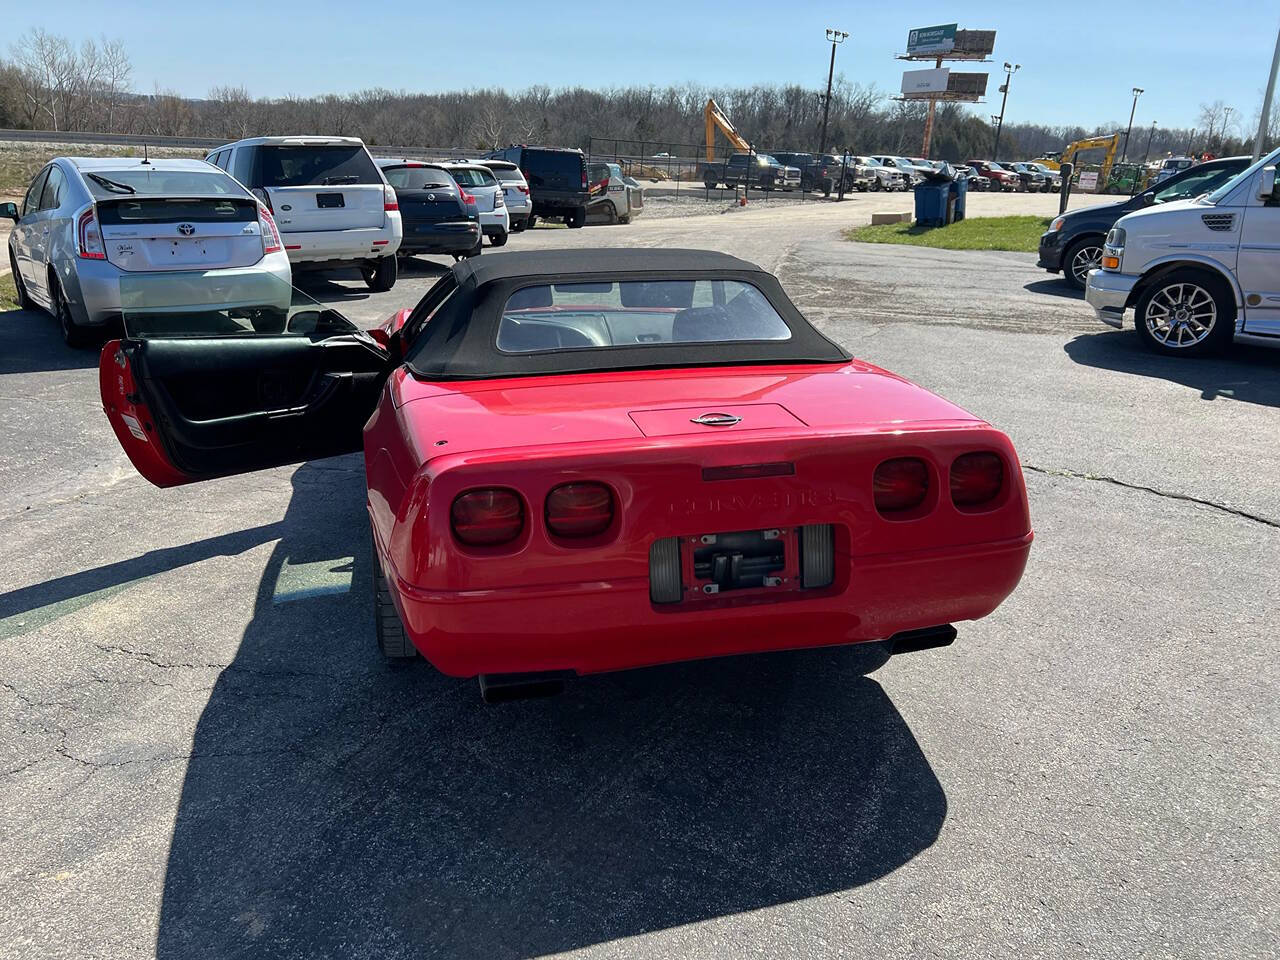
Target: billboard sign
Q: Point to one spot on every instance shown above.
(917, 82)
(939, 39)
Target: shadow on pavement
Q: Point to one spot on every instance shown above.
(30, 342)
(334, 806)
(1054, 288)
(1247, 373)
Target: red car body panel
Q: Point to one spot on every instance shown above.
(538, 603)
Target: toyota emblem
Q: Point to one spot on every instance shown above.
(186, 229)
(717, 420)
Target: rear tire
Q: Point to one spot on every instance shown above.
(517, 226)
(576, 218)
(393, 642)
(24, 301)
(381, 277)
(75, 336)
(498, 239)
(531, 222)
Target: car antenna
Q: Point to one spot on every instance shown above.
(145, 159)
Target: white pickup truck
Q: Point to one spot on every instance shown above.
(1198, 273)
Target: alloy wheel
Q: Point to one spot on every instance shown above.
(1085, 259)
(1181, 315)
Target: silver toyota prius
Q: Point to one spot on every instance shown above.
(171, 231)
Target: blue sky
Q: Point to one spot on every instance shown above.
(1077, 71)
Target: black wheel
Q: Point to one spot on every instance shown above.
(381, 277)
(1081, 257)
(876, 185)
(1186, 313)
(393, 642)
(517, 226)
(576, 218)
(531, 222)
(24, 301)
(498, 239)
(710, 184)
(75, 335)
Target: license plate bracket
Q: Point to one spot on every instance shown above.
(740, 562)
(328, 200)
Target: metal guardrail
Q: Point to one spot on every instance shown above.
(197, 143)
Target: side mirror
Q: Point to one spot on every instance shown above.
(1267, 184)
(9, 210)
(1147, 199)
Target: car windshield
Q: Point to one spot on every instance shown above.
(472, 177)
(162, 182)
(1194, 183)
(992, 165)
(766, 158)
(186, 304)
(630, 313)
(1222, 192)
(417, 178)
(286, 165)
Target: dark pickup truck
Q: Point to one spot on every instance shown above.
(765, 173)
(822, 171)
(557, 180)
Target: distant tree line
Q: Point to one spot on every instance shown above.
(49, 83)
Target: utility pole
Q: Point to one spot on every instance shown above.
(1147, 152)
(1137, 92)
(1009, 70)
(1222, 138)
(1264, 120)
(835, 37)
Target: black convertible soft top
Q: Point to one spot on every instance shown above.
(460, 341)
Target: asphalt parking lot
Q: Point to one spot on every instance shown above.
(203, 756)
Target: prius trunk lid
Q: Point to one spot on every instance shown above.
(180, 233)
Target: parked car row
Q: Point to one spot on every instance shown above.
(92, 232)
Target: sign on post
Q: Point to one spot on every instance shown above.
(915, 82)
(1089, 180)
(939, 39)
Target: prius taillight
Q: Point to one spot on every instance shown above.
(579, 510)
(270, 235)
(976, 479)
(900, 484)
(487, 517)
(89, 237)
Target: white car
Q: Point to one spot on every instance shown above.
(97, 235)
(332, 204)
(515, 192)
(479, 182)
(1197, 273)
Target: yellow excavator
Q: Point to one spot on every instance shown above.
(715, 118)
(1110, 144)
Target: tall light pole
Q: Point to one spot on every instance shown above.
(1264, 119)
(1124, 155)
(834, 37)
(1009, 70)
(1147, 152)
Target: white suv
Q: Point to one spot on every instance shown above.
(478, 182)
(1197, 273)
(515, 190)
(332, 204)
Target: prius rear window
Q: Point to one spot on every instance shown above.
(631, 313)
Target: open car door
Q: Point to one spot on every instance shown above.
(265, 377)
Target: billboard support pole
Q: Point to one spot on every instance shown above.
(928, 122)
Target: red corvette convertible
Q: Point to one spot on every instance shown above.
(592, 460)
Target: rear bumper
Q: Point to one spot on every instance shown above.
(495, 222)
(1108, 293)
(612, 625)
(358, 243)
(435, 237)
(93, 286)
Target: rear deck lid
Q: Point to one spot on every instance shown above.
(180, 233)
(723, 417)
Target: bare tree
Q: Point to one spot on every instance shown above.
(48, 66)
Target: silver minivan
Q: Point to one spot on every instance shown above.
(175, 228)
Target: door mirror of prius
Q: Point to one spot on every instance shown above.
(9, 210)
(1266, 184)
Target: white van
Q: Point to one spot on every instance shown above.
(332, 204)
(1198, 273)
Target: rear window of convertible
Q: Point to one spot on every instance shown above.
(631, 313)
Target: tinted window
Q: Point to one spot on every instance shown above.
(161, 182)
(53, 190)
(324, 165)
(508, 175)
(554, 164)
(240, 164)
(417, 178)
(1194, 183)
(32, 202)
(630, 313)
(164, 210)
(217, 158)
(471, 177)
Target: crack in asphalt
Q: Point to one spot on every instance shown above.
(1169, 495)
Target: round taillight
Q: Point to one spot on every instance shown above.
(579, 510)
(488, 517)
(976, 478)
(900, 484)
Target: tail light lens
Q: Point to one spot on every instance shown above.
(976, 479)
(579, 510)
(584, 178)
(487, 517)
(499, 200)
(389, 199)
(466, 197)
(900, 484)
(270, 235)
(89, 237)
(523, 189)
